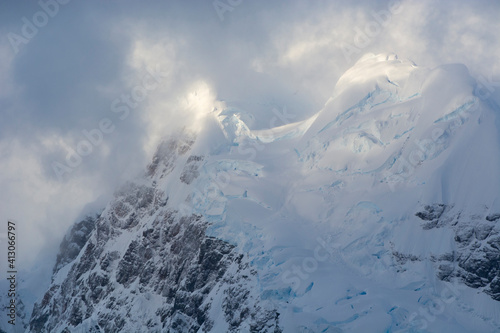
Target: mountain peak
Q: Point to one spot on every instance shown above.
(356, 217)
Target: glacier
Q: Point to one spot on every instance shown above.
(379, 213)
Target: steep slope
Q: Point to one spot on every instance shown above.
(379, 213)
(146, 267)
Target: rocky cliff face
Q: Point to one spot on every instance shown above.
(74, 241)
(379, 213)
(475, 260)
(142, 266)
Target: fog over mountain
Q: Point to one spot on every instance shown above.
(248, 166)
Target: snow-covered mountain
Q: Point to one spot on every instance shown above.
(380, 213)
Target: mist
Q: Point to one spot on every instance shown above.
(89, 89)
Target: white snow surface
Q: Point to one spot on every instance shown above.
(320, 205)
(323, 203)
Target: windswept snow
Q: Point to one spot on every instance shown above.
(392, 137)
(325, 208)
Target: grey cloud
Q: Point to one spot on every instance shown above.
(69, 74)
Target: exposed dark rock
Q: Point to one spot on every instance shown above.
(493, 217)
(167, 152)
(494, 291)
(132, 203)
(37, 324)
(483, 231)
(130, 264)
(445, 272)
(477, 259)
(190, 171)
(74, 241)
(176, 261)
(403, 258)
(431, 212)
(464, 235)
(139, 250)
(494, 242)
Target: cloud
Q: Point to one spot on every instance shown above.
(260, 57)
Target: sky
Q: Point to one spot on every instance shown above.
(89, 88)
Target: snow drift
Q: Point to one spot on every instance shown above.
(379, 213)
